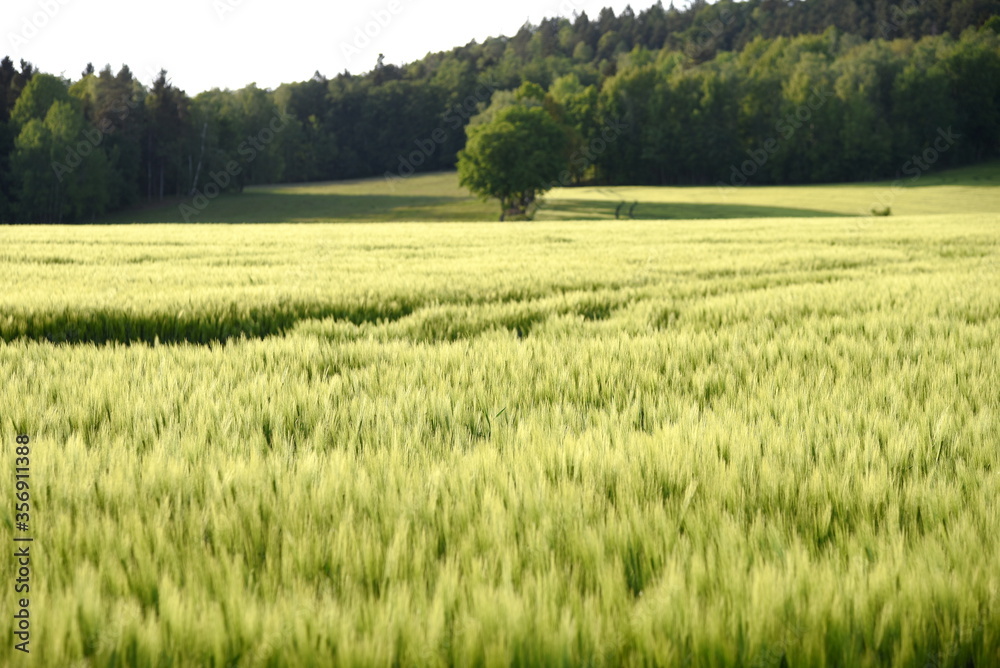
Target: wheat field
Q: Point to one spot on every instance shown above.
(756, 442)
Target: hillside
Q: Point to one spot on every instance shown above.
(819, 91)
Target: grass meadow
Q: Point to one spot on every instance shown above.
(438, 198)
(755, 441)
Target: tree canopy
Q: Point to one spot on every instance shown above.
(761, 91)
(513, 158)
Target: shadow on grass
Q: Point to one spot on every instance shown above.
(591, 209)
(515, 310)
(103, 326)
(278, 207)
(986, 175)
(271, 207)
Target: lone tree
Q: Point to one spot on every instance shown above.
(515, 157)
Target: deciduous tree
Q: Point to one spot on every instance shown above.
(513, 158)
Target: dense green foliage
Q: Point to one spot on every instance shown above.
(512, 158)
(712, 443)
(761, 91)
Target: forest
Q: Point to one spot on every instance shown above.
(761, 91)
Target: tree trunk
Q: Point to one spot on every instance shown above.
(201, 156)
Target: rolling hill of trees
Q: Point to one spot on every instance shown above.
(762, 91)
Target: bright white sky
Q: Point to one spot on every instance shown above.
(205, 44)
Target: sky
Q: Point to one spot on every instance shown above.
(205, 44)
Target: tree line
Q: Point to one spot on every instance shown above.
(762, 91)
